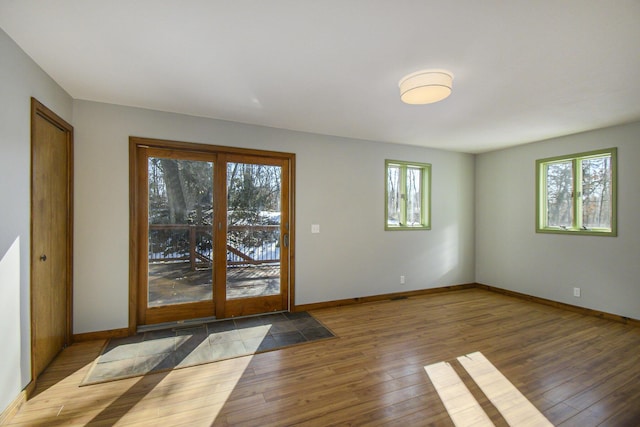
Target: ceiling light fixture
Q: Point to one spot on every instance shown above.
(426, 86)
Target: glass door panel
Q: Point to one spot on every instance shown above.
(210, 231)
(254, 227)
(180, 237)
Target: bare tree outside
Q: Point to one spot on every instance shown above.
(406, 195)
(559, 179)
(393, 195)
(591, 195)
(180, 231)
(414, 196)
(596, 192)
(254, 207)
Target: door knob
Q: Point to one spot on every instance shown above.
(43, 257)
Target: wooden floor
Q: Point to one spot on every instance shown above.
(576, 370)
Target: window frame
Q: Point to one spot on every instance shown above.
(576, 221)
(425, 198)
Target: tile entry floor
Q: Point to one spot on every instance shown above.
(178, 347)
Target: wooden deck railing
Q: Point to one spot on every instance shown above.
(193, 243)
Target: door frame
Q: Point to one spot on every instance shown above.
(135, 183)
(40, 110)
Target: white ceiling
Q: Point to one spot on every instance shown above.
(524, 70)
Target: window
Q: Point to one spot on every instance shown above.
(576, 194)
(407, 195)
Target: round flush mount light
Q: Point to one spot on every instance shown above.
(426, 86)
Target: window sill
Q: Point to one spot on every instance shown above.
(399, 228)
(576, 231)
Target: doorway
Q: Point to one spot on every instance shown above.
(51, 235)
(211, 231)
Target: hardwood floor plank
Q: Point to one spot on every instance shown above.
(575, 369)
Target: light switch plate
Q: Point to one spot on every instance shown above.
(315, 228)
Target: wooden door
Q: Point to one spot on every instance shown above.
(212, 231)
(51, 235)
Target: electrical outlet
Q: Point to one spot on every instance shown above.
(402, 280)
(576, 292)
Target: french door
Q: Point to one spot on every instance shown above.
(211, 231)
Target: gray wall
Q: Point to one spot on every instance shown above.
(510, 255)
(20, 79)
(340, 185)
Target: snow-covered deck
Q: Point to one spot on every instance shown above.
(176, 282)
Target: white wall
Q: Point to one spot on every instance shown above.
(510, 255)
(340, 185)
(20, 79)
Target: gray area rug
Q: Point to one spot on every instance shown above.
(163, 350)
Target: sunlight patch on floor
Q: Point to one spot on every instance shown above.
(514, 407)
(183, 400)
(464, 409)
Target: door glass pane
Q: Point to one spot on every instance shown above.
(180, 231)
(596, 192)
(559, 181)
(393, 195)
(253, 230)
(414, 197)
